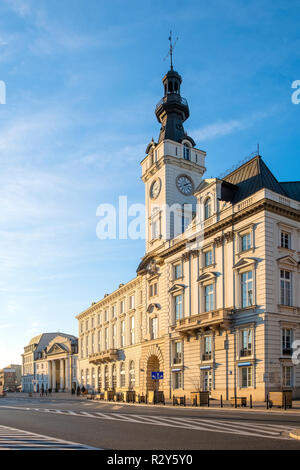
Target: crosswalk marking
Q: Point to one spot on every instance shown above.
(237, 427)
(17, 439)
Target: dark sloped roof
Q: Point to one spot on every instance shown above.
(251, 177)
(292, 189)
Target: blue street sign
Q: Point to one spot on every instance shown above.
(157, 375)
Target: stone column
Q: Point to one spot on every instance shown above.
(53, 375)
(62, 374)
(67, 373)
(49, 374)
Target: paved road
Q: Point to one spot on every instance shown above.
(119, 426)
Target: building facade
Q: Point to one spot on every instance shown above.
(50, 362)
(215, 304)
(10, 378)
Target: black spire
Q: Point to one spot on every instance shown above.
(172, 110)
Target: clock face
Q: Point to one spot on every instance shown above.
(185, 185)
(155, 188)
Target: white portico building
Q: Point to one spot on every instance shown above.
(50, 362)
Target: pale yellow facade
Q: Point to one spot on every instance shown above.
(215, 308)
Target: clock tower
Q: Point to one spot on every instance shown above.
(172, 169)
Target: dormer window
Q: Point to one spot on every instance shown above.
(207, 208)
(186, 152)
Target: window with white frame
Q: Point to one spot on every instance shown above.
(122, 306)
(122, 374)
(246, 342)
(153, 328)
(207, 380)
(207, 348)
(177, 352)
(93, 343)
(153, 289)
(208, 258)
(86, 325)
(285, 287)
(285, 239)
(86, 346)
(132, 329)
(287, 376)
(177, 271)
(106, 338)
(186, 152)
(246, 241)
(131, 375)
(99, 379)
(177, 380)
(246, 376)
(114, 376)
(247, 289)
(209, 297)
(92, 322)
(287, 340)
(106, 315)
(122, 333)
(99, 340)
(114, 336)
(178, 302)
(207, 208)
(132, 301)
(99, 318)
(113, 311)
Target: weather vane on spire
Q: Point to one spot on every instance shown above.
(172, 47)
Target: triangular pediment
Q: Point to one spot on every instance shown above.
(57, 348)
(287, 260)
(244, 262)
(177, 287)
(207, 277)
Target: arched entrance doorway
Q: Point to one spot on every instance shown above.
(152, 366)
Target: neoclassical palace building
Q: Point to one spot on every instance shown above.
(49, 361)
(215, 305)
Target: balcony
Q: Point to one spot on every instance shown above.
(217, 318)
(104, 356)
(245, 352)
(287, 352)
(206, 357)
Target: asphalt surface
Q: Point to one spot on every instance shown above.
(115, 426)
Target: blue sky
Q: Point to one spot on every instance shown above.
(83, 78)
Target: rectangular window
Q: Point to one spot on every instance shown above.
(132, 330)
(153, 328)
(287, 342)
(209, 297)
(177, 380)
(247, 289)
(246, 241)
(208, 258)
(207, 380)
(86, 325)
(177, 271)
(245, 377)
(99, 340)
(246, 343)
(105, 315)
(87, 346)
(122, 333)
(93, 343)
(285, 287)
(153, 289)
(207, 349)
(178, 352)
(106, 338)
(122, 306)
(285, 240)
(114, 336)
(178, 307)
(131, 302)
(92, 322)
(287, 372)
(113, 311)
(155, 227)
(99, 318)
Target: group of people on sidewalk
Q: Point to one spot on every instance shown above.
(48, 391)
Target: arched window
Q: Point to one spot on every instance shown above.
(122, 374)
(131, 375)
(186, 152)
(114, 377)
(106, 378)
(207, 208)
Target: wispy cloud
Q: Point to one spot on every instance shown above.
(223, 128)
